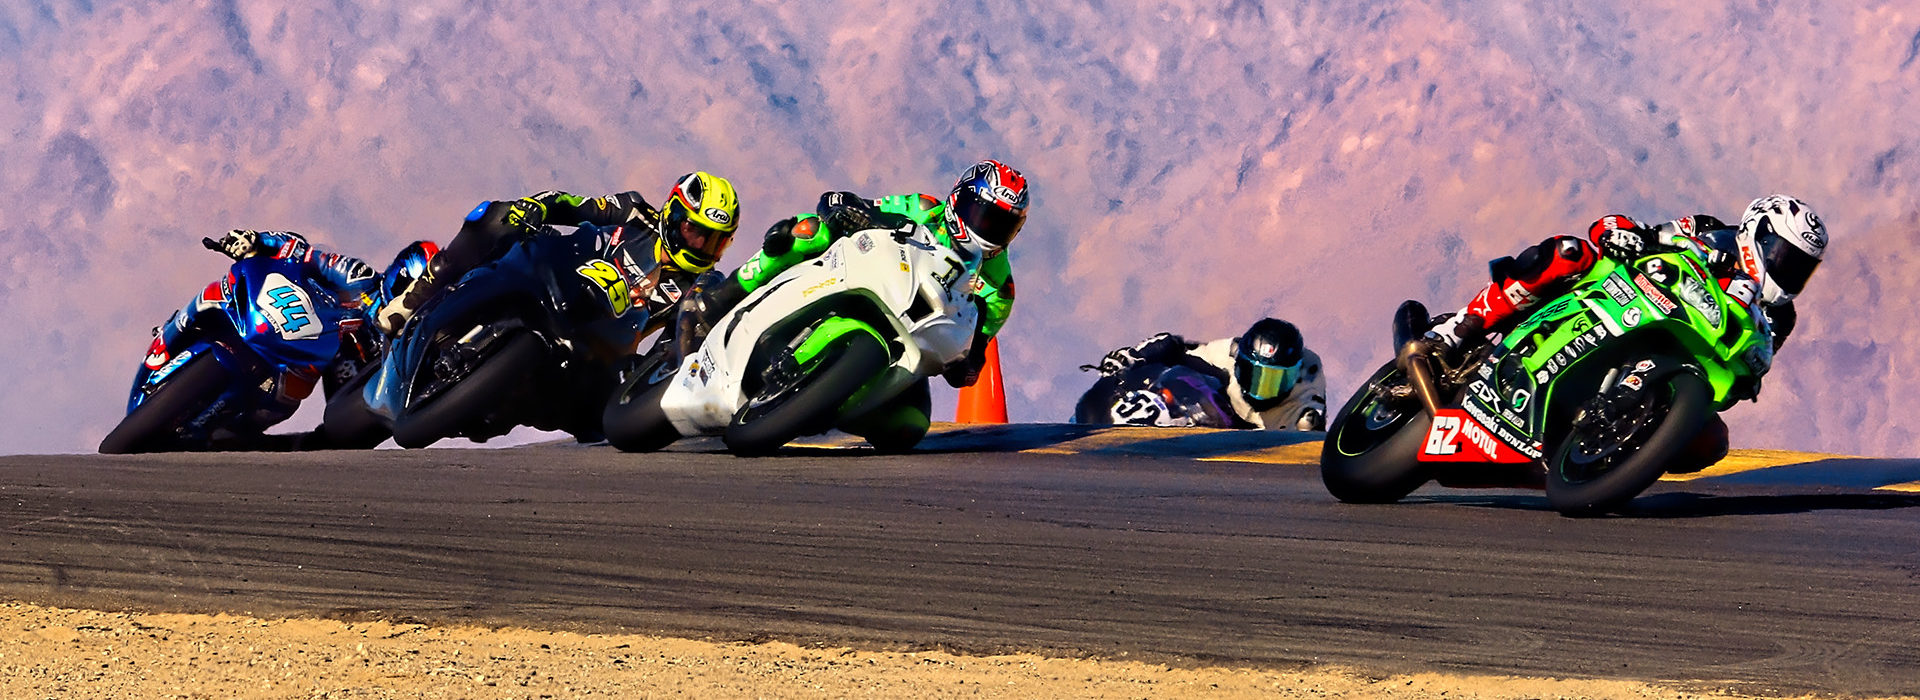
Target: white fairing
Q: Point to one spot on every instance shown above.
(706, 391)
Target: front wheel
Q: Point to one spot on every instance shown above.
(348, 423)
(483, 391)
(633, 420)
(810, 406)
(154, 426)
(1371, 454)
(1602, 464)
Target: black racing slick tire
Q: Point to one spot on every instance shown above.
(483, 392)
(1576, 490)
(348, 423)
(633, 421)
(154, 425)
(812, 406)
(1371, 454)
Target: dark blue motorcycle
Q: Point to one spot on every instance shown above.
(537, 336)
(254, 345)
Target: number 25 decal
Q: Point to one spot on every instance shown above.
(609, 279)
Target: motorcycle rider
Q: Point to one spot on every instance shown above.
(978, 219)
(1272, 380)
(350, 281)
(689, 235)
(1768, 259)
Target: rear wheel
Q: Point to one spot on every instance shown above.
(482, 392)
(809, 406)
(1603, 464)
(633, 420)
(155, 425)
(1372, 450)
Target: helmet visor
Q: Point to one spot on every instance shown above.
(1266, 382)
(994, 225)
(695, 241)
(1786, 264)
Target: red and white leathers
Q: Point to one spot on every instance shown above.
(1549, 269)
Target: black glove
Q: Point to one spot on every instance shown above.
(1153, 349)
(1312, 419)
(845, 212)
(1622, 244)
(240, 244)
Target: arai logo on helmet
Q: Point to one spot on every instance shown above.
(719, 216)
(1003, 193)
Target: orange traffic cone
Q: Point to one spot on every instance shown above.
(986, 400)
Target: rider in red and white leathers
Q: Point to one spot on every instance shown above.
(1767, 259)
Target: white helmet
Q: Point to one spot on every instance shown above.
(1781, 242)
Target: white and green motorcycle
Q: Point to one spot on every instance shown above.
(832, 342)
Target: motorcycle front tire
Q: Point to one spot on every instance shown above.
(813, 406)
(633, 420)
(348, 423)
(151, 426)
(481, 393)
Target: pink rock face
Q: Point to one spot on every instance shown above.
(1195, 166)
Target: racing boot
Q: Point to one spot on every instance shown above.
(394, 315)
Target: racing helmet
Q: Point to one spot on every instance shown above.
(986, 208)
(1267, 362)
(408, 266)
(701, 215)
(1781, 241)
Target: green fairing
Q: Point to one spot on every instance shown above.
(996, 274)
(1719, 352)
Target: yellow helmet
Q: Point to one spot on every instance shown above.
(701, 215)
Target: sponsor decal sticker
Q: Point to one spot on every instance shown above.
(156, 354)
(1457, 436)
(160, 375)
(1631, 318)
(718, 216)
(1634, 382)
(1653, 293)
(864, 243)
(1618, 290)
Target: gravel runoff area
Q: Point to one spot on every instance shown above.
(62, 653)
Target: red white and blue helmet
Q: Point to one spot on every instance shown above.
(987, 207)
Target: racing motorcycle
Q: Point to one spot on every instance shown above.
(233, 374)
(838, 341)
(1596, 394)
(534, 337)
(1151, 393)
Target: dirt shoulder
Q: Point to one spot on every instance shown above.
(62, 653)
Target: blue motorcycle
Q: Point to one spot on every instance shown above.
(252, 345)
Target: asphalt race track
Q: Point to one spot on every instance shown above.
(1791, 587)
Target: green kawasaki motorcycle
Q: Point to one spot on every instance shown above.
(1596, 394)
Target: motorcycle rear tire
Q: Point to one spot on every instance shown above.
(633, 420)
(813, 406)
(151, 427)
(348, 423)
(1690, 404)
(1386, 470)
(481, 393)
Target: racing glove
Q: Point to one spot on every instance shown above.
(1155, 348)
(240, 244)
(1312, 419)
(845, 212)
(1622, 244)
(526, 215)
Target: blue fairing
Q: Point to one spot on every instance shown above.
(272, 318)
